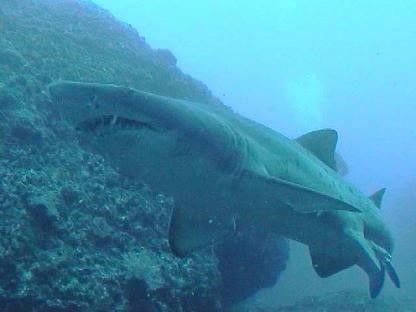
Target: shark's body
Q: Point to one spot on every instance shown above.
(225, 170)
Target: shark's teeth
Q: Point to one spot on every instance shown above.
(113, 120)
(106, 124)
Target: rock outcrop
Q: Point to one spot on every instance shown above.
(74, 234)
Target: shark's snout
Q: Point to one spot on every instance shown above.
(90, 108)
(75, 91)
(73, 101)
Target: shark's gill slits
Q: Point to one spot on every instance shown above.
(112, 123)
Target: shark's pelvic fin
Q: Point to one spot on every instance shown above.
(377, 197)
(326, 265)
(191, 231)
(321, 143)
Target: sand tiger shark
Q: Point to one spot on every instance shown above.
(224, 170)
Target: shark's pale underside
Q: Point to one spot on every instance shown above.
(225, 170)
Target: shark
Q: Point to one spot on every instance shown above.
(227, 172)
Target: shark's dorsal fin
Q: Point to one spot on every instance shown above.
(342, 166)
(377, 197)
(321, 143)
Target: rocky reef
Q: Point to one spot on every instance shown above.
(343, 301)
(248, 262)
(75, 235)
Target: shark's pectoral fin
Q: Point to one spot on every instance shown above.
(190, 231)
(296, 196)
(326, 265)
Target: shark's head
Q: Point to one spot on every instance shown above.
(90, 106)
(129, 127)
(140, 130)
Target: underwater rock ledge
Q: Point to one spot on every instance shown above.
(342, 301)
(74, 234)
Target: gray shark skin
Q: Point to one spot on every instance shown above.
(225, 170)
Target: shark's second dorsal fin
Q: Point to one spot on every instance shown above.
(377, 197)
(321, 143)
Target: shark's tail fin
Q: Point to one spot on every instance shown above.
(375, 271)
(375, 261)
(367, 260)
(376, 280)
(392, 273)
(384, 258)
(370, 257)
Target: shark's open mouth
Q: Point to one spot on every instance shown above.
(106, 123)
